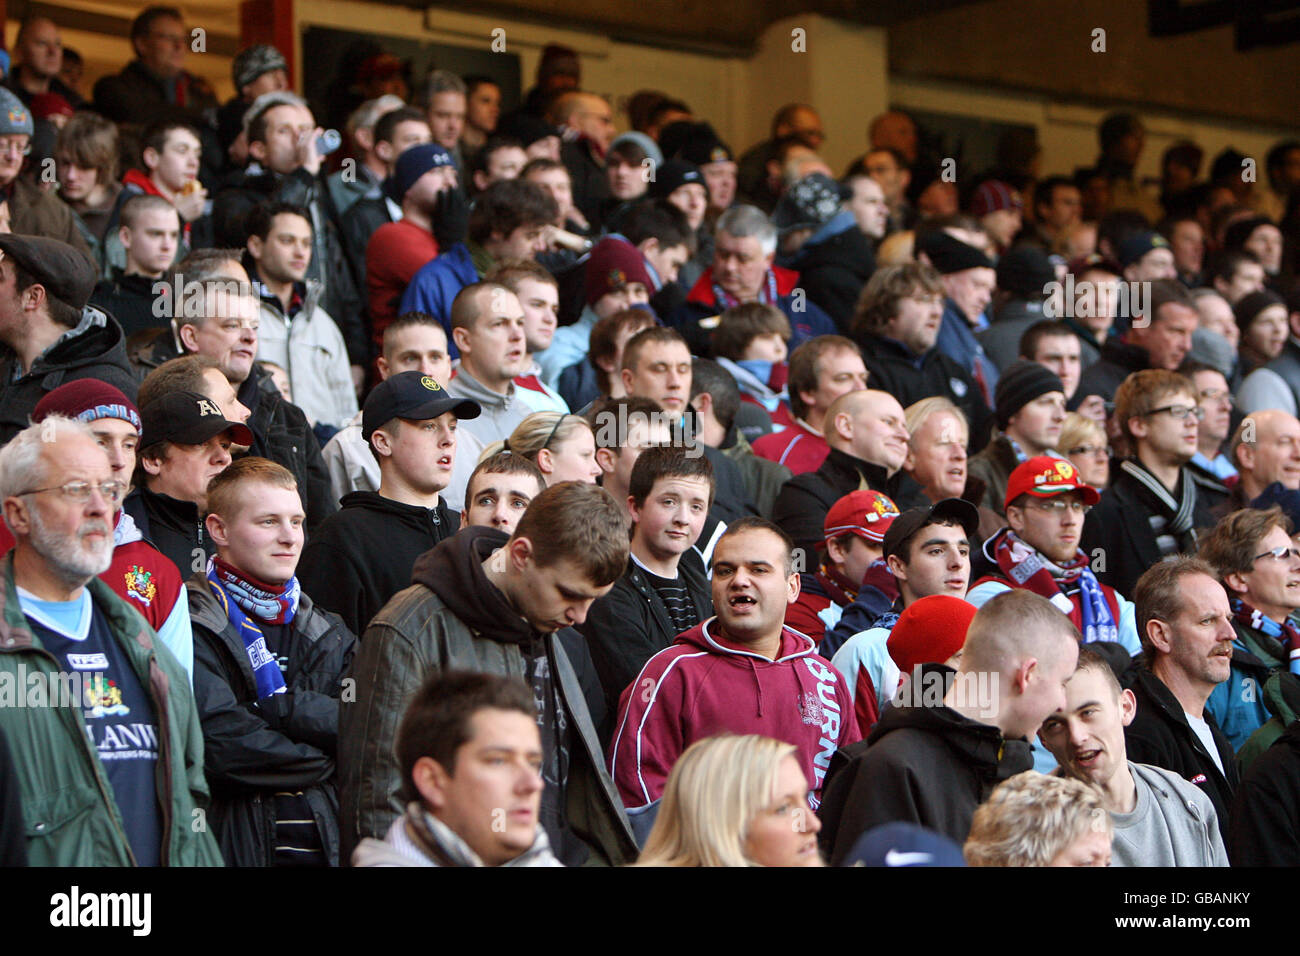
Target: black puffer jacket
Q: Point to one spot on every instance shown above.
(630, 625)
(834, 271)
(283, 435)
(96, 350)
(926, 765)
(454, 617)
(252, 749)
(363, 555)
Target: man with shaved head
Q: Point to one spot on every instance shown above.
(487, 325)
(1265, 448)
(951, 735)
(587, 121)
(39, 50)
(868, 445)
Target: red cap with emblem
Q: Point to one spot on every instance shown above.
(1046, 476)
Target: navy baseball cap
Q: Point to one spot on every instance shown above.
(904, 844)
(412, 396)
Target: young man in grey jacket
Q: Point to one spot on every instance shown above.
(1159, 818)
(471, 756)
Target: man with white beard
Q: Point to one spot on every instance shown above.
(106, 710)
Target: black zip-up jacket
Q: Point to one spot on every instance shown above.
(1264, 829)
(130, 300)
(253, 748)
(1161, 736)
(173, 527)
(452, 616)
(283, 435)
(630, 625)
(909, 377)
(363, 555)
(97, 351)
(926, 765)
(801, 506)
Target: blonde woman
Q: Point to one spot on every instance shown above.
(735, 801)
(1083, 441)
(562, 446)
(1033, 819)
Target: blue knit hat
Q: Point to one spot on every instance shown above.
(412, 164)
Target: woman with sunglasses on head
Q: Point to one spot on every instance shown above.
(563, 447)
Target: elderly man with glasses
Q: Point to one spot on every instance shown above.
(107, 748)
(1153, 506)
(1046, 502)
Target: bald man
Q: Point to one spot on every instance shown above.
(588, 122)
(1265, 448)
(39, 52)
(894, 130)
(868, 445)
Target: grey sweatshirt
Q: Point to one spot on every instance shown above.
(1173, 824)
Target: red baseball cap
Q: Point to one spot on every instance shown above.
(1046, 476)
(868, 514)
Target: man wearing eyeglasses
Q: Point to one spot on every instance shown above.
(155, 85)
(1152, 508)
(110, 760)
(1046, 502)
(1259, 567)
(363, 554)
(32, 211)
(140, 574)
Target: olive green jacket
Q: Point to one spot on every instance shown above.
(70, 813)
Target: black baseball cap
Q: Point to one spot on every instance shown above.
(412, 396)
(187, 418)
(914, 519)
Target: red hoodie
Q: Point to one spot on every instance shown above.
(702, 686)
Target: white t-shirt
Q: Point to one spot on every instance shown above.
(1202, 730)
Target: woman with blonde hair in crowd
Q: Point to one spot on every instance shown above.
(562, 446)
(1033, 819)
(1083, 441)
(735, 801)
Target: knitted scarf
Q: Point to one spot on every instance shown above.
(1178, 514)
(240, 597)
(1286, 633)
(1071, 583)
(767, 294)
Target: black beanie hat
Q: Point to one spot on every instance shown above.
(1019, 384)
(949, 254)
(1024, 271)
(672, 175)
(1250, 306)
